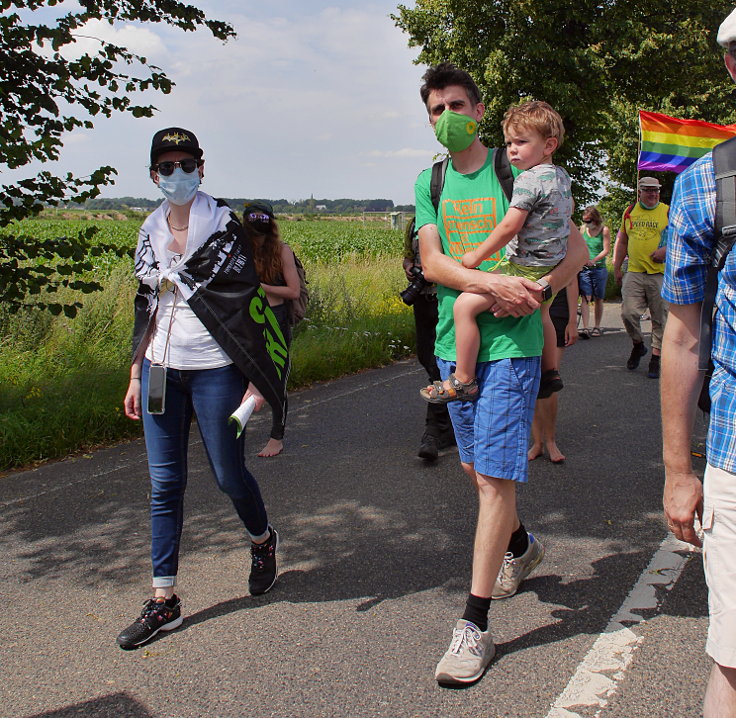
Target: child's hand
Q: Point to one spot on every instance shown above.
(470, 260)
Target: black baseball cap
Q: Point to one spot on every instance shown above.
(258, 205)
(175, 138)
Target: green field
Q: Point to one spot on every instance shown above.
(62, 380)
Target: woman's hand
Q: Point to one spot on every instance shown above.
(132, 401)
(252, 391)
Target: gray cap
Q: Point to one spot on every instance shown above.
(649, 182)
(727, 30)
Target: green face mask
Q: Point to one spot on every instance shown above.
(455, 131)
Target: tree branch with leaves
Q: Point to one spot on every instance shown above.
(597, 62)
(46, 91)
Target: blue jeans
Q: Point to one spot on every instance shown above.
(211, 394)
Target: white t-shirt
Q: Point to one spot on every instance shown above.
(191, 346)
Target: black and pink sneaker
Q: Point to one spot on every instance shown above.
(157, 615)
(263, 571)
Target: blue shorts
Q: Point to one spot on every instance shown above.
(592, 282)
(492, 432)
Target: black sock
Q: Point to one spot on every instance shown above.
(476, 611)
(519, 542)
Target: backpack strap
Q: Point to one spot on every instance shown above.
(439, 170)
(627, 215)
(724, 229)
(502, 167)
(410, 239)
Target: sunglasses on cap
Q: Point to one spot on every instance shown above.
(167, 168)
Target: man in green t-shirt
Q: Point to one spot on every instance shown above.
(640, 237)
(492, 431)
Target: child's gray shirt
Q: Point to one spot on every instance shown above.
(545, 192)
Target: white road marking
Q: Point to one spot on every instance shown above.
(598, 675)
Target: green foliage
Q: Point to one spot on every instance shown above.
(30, 266)
(333, 241)
(596, 63)
(45, 93)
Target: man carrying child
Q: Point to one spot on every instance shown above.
(534, 231)
(493, 431)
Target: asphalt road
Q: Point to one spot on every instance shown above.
(375, 566)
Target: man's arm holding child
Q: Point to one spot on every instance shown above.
(515, 296)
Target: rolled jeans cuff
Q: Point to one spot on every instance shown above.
(164, 581)
(262, 537)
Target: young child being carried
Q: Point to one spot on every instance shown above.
(534, 231)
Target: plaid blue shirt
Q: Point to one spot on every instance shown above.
(690, 243)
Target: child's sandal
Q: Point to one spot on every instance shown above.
(438, 393)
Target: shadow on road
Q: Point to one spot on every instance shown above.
(117, 705)
(360, 517)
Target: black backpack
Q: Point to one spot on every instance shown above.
(500, 164)
(724, 167)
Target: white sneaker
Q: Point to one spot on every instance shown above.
(468, 656)
(515, 570)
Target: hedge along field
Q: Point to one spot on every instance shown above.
(62, 380)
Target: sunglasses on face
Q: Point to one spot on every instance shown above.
(650, 189)
(258, 217)
(167, 168)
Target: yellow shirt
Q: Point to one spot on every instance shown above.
(644, 229)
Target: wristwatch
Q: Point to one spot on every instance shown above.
(546, 289)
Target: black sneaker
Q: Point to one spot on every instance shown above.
(263, 571)
(653, 372)
(157, 615)
(428, 449)
(549, 384)
(638, 351)
(446, 440)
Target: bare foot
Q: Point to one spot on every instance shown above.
(555, 455)
(273, 448)
(535, 452)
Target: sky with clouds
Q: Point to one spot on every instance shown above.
(312, 98)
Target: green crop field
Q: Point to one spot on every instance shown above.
(62, 380)
(315, 240)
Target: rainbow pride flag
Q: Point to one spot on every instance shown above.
(671, 145)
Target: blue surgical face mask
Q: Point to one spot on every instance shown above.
(179, 187)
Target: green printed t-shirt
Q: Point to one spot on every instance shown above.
(644, 229)
(470, 207)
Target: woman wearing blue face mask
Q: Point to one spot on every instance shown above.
(202, 328)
